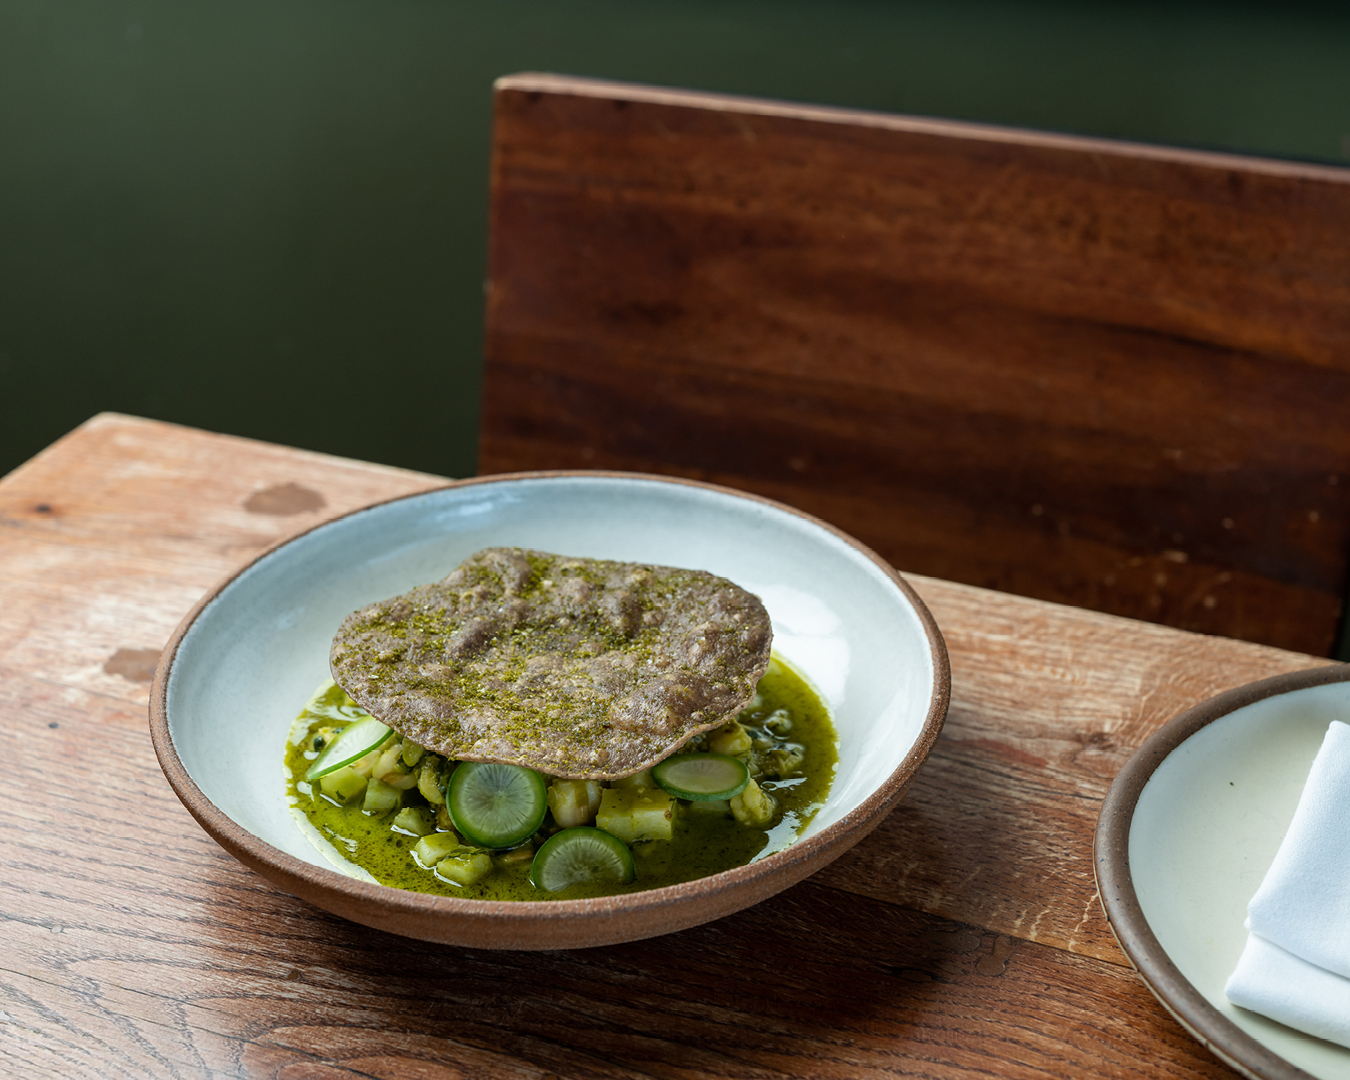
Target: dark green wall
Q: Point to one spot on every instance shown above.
(267, 217)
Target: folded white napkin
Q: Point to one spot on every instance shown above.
(1296, 965)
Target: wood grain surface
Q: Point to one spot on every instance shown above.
(1096, 373)
(963, 938)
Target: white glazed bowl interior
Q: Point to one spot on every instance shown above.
(253, 656)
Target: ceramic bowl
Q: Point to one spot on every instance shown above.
(1186, 835)
(244, 661)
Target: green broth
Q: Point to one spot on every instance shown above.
(703, 843)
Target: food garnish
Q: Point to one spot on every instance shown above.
(496, 805)
(702, 777)
(351, 743)
(579, 668)
(581, 856)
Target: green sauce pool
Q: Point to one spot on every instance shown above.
(793, 747)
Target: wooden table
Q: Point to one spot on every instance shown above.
(963, 937)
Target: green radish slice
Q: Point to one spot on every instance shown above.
(495, 805)
(352, 742)
(581, 855)
(702, 777)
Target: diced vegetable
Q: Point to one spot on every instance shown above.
(366, 762)
(342, 785)
(574, 802)
(434, 847)
(634, 816)
(391, 757)
(710, 806)
(380, 796)
(415, 820)
(653, 816)
(390, 768)
(581, 855)
(431, 778)
(404, 781)
(354, 741)
(639, 781)
(496, 805)
(702, 776)
(412, 753)
(732, 740)
(784, 760)
(779, 722)
(465, 867)
(754, 806)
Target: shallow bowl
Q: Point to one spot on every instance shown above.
(244, 661)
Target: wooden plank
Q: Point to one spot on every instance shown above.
(183, 494)
(1022, 783)
(118, 528)
(942, 946)
(138, 947)
(1047, 704)
(1101, 374)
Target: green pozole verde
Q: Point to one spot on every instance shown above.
(402, 815)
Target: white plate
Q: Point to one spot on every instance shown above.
(1188, 831)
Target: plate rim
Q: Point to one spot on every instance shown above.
(1115, 884)
(761, 879)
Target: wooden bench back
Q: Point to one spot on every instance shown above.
(1110, 375)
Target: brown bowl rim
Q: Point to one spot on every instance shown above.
(397, 909)
(1115, 885)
